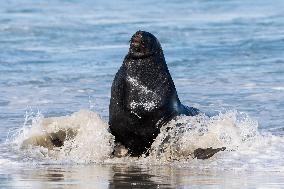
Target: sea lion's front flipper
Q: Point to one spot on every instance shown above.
(38, 140)
(206, 153)
(120, 151)
(188, 111)
(50, 140)
(58, 138)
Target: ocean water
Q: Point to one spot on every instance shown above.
(57, 63)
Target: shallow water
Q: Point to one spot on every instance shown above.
(58, 57)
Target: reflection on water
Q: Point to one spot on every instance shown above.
(54, 176)
(125, 176)
(135, 177)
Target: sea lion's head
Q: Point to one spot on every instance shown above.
(143, 44)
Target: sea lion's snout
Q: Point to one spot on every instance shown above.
(142, 44)
(137, 46)
(136, 40)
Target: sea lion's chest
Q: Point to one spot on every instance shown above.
(141, 97)
(144, 86)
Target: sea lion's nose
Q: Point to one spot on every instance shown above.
(136, 41)
(135, 44)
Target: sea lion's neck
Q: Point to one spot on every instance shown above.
(139, 55)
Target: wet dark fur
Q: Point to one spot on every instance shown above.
(143, 78)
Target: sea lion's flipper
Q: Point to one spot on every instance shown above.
(50, 140)
(120, 151)
(207, 152)
(38, 140)
(62, 135)
(188, 111)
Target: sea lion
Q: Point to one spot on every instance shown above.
(143, 95)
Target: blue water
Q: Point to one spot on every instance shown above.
(58, 57)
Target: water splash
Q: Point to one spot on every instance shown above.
(246, 146)
(91, 143)
(180, 137)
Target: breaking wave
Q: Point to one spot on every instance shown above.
(91, 142)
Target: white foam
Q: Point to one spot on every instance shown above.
(93, 142)
(182, 136)
(246, 147)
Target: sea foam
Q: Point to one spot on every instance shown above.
(246, 146)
